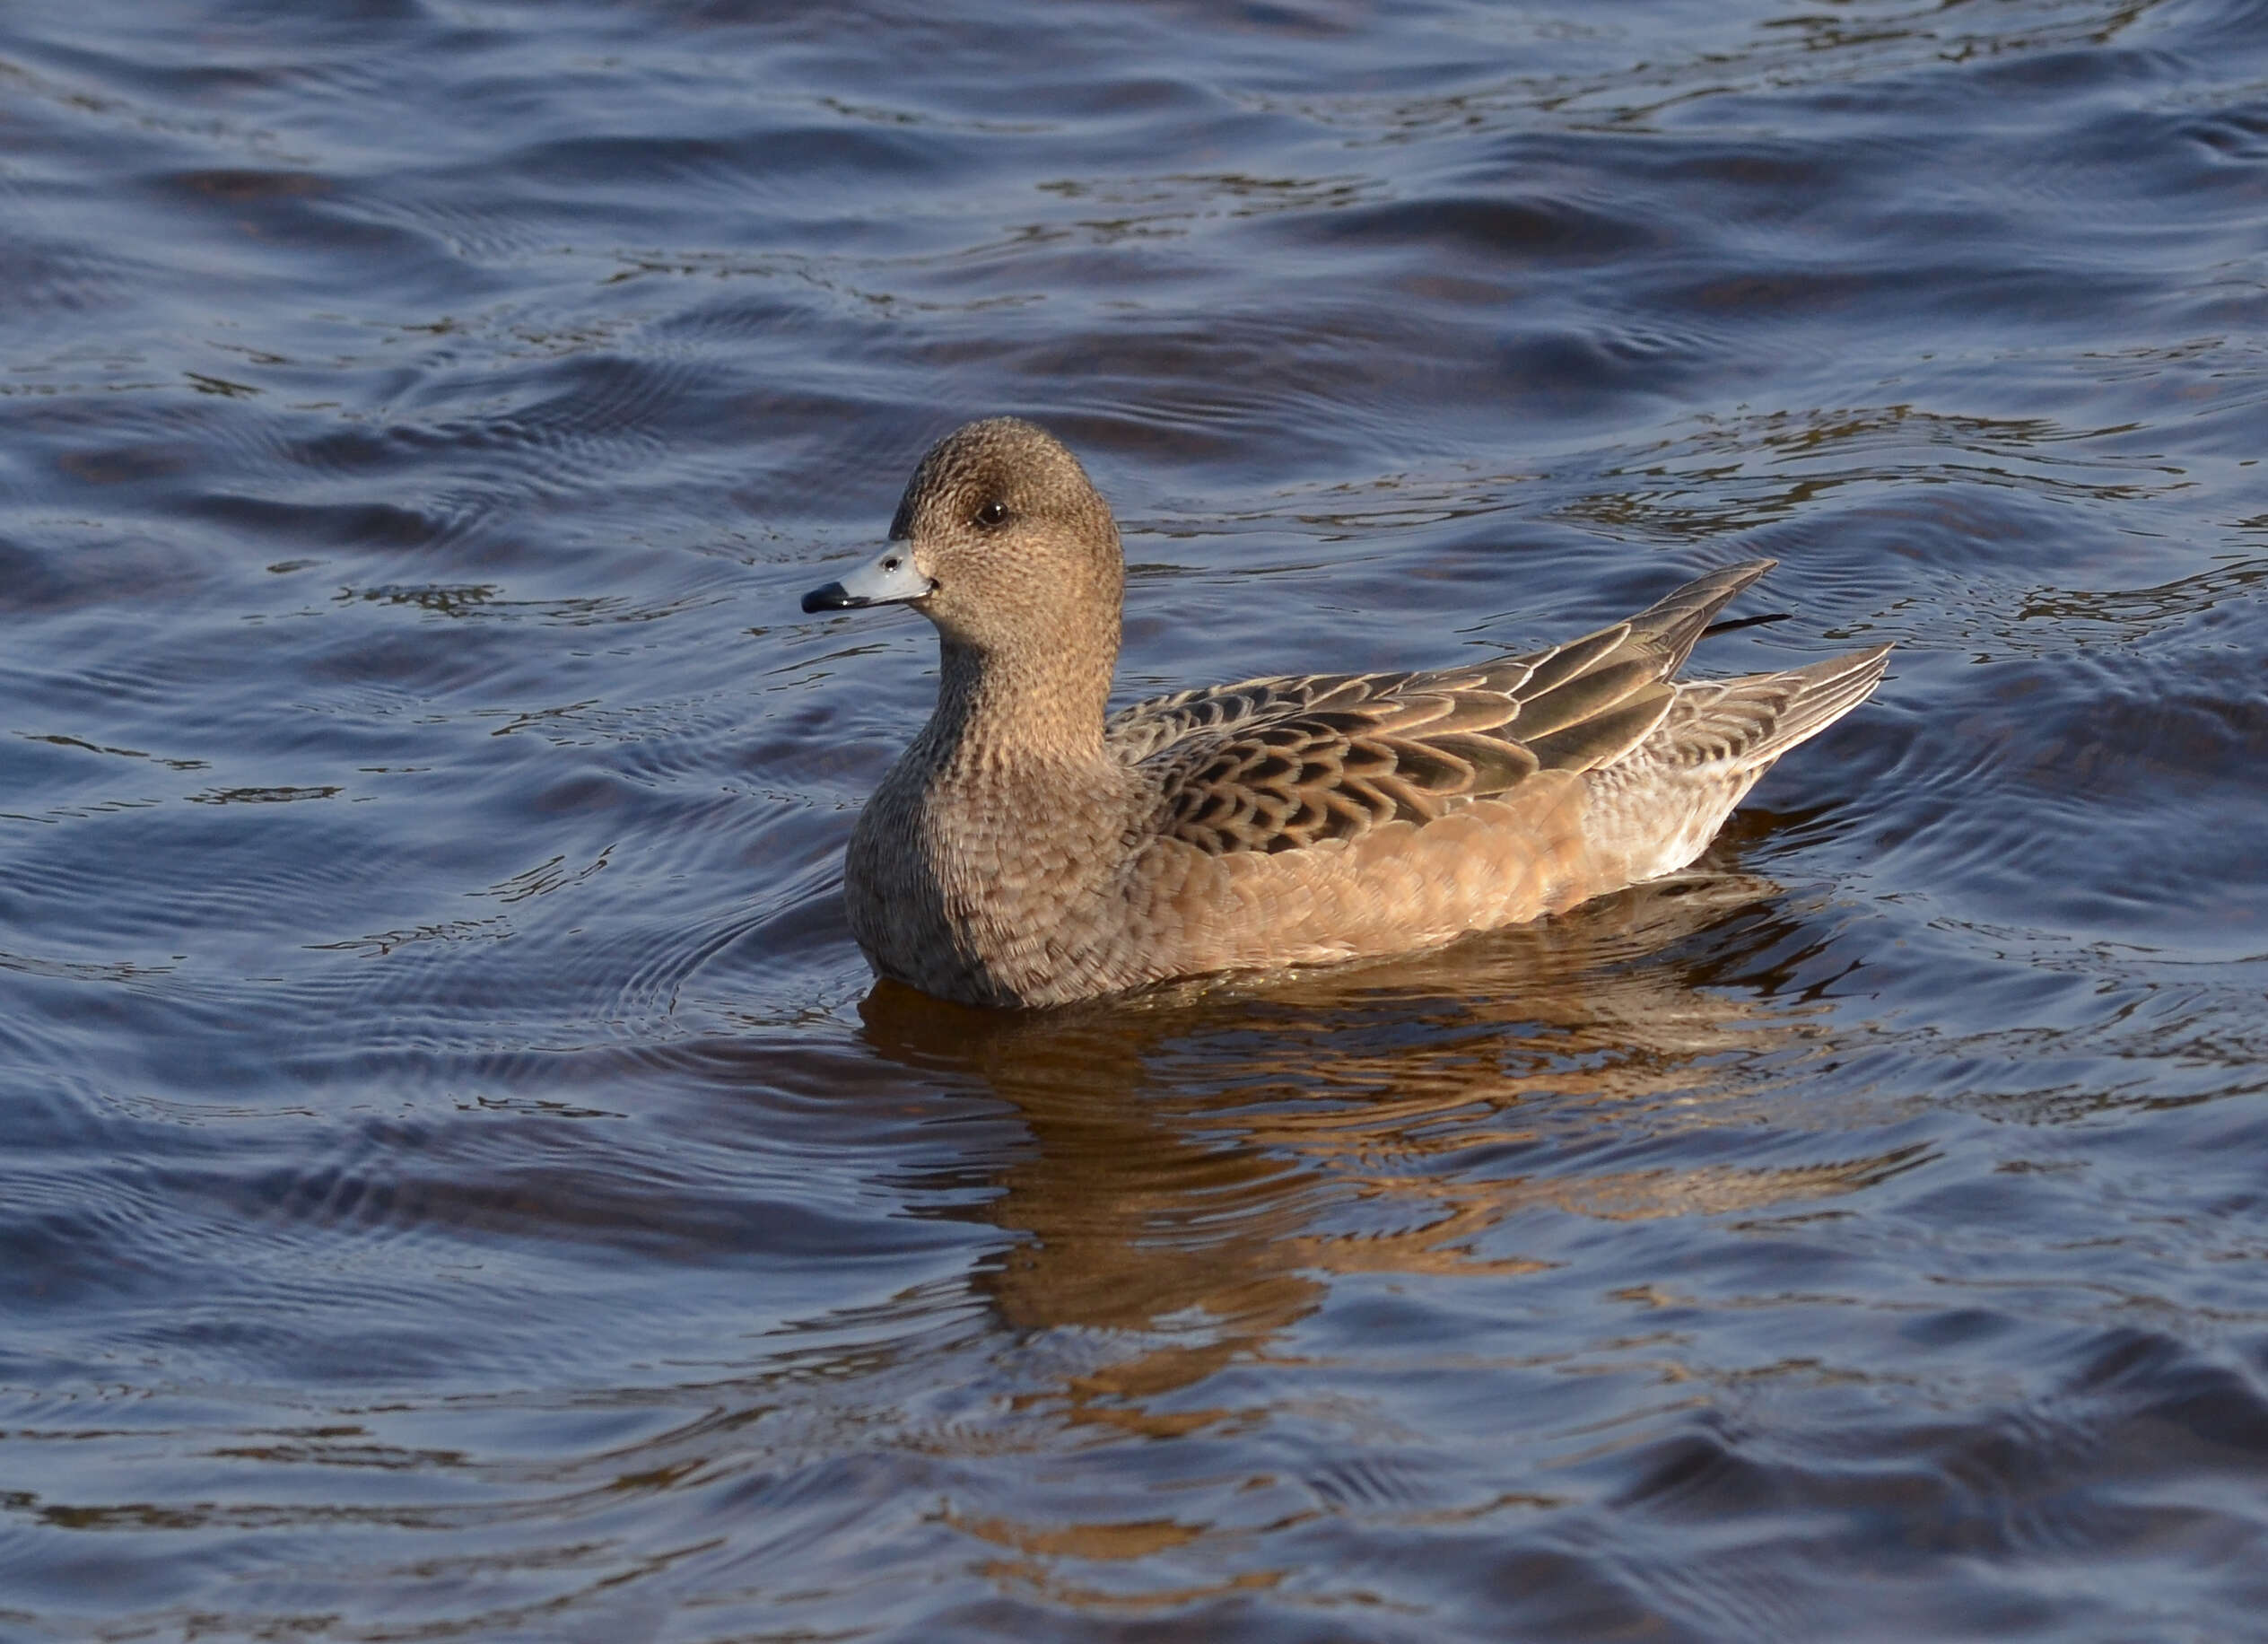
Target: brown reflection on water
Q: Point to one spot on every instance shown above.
(1203, 1162)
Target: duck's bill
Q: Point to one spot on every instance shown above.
(888, 579)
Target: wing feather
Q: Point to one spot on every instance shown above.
(1604, 736)
(1293, 762)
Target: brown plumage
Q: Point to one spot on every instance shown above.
(1026, 849)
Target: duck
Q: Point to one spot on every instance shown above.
(1033, 849)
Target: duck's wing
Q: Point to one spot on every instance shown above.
(1283, 764)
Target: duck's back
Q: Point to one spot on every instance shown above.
(1314, 818)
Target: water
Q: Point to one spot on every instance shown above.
(454, 1181)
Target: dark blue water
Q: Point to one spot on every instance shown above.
(453, 1180)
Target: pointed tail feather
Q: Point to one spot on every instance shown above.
(1749, 723)
(1824, 692)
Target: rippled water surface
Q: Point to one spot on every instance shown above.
(455, 1181)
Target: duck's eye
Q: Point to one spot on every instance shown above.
(994, 512)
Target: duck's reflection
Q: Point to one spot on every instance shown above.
(1202, 1162)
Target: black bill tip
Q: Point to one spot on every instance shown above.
(833, 597)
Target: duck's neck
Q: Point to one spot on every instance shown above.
(1037, 707)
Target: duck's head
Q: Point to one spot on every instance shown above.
(1001, 540)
